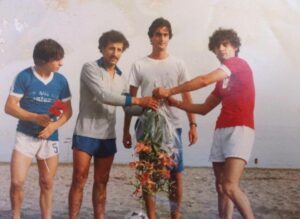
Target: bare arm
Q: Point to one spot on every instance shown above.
(193, 135)
(210, 103)
(52, 126)
(194, 84)
(12, 107)
(97, 86)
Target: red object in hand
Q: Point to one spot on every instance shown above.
(57, 108)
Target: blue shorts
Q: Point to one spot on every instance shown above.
(179, 157)
(95, 147)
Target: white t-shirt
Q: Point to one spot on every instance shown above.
(149, 73)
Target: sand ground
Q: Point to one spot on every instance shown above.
(274, 194)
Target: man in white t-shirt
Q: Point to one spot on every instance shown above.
(155, 70)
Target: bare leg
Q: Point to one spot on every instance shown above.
(19, 167)
(102, 168)
(150, 204)
(46, 184)
(176, 195)
(225, 205)
(233, 171)
(81, 164)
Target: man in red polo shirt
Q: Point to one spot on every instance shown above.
(234, 133)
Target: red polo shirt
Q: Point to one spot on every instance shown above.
(238, 95)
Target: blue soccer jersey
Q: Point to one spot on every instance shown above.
(37, 96)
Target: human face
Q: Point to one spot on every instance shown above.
(53, 65)
(112, 53)
(225, 50)
(160, 39)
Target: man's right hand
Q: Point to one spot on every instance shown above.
(42, 119)
(127, 140)
(147, 102)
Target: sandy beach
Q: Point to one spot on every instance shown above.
(274, 194)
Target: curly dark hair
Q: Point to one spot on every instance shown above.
(222, 35)
(47, 50)
(112, 36)
(159, 22)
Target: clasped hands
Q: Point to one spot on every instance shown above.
(157, 95)
(161, 93)
(44, 121)
(164, 93)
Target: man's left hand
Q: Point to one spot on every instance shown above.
(47, 131)
(193, 135)
(161, 92)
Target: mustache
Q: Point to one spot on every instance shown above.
(114, 57)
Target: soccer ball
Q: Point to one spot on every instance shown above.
(136, 214)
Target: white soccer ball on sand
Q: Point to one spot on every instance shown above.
(136, 214)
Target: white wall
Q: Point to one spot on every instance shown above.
(270, 42)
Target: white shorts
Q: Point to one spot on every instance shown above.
(31, 146)
(234, 141)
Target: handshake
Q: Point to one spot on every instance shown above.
(161, 93)
(165, 94)
(139, 104)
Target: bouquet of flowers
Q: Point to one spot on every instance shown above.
(156, 149)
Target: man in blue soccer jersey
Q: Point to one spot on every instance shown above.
(33, 92)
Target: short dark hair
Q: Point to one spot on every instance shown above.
(221, 35)
(47, 50)
(160, 22)
(112, 36)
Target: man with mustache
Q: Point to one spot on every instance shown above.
(101, 89)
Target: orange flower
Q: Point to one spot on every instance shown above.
(149, 166)
(141, 147)
(165, 173)
(144, 178)
(166, 160)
